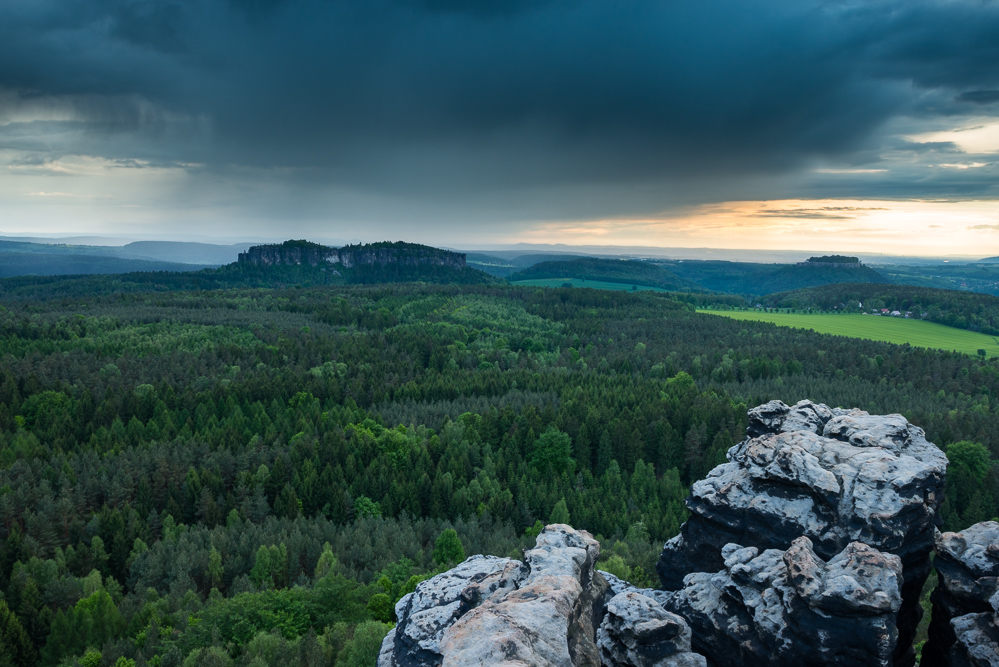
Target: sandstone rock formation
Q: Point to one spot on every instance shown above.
(437, 603)
(637, 632)
(289, 253)
(547, 620)
(835, 476)
(977, 638)
(496, 611)
(965, 629)
(791, 608)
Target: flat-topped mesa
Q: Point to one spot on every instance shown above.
(297, 253)
(835, 476)
(289, 253)
(793, 609)
(964, 629)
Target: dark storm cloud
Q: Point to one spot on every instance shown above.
(979, 96)
(454, 98)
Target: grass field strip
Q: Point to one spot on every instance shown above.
(874, 327)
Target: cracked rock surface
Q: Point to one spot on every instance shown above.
(835, 476)
(437, 603)
(977, 638)
(496, 611)
(964, 629)
(776, 608)
(638, 632)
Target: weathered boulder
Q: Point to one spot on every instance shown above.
(963, 627)
(495, 611)
(638, 632)
(777, 608)
(437, 603)
(977, 638)
(547, 620)
(835, 476)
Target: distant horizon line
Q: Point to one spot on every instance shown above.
(670, 252)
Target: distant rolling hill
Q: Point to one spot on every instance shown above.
(502, 267)
(491, 264)
(759, 279)
(607, 270)
(185, 252)
(51, 264)
(18, 258)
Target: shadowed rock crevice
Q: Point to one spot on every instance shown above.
(964, 629)
(791, 608)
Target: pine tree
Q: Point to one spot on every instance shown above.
(261, 572)
(552, 452)
(560, 513)
(693, 444)
(215, 569)
(34, 615)
(581, 448)
(605, 452)
(16, 648)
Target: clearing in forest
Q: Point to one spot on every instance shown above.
(874, 327)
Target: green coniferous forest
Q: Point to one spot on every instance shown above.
(254, 476)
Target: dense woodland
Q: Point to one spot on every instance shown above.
(609, 270)
(254, 476)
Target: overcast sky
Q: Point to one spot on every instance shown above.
(764, 123)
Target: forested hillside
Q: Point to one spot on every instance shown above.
(18, 258)
(36, 263)
(255, 476)
(964, 310)
(757, 279)
(608, 270)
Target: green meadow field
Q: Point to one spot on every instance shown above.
(595, 284)
(874, 327)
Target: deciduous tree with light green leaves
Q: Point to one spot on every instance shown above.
(448, 549)
(94, 620)
(560, 513)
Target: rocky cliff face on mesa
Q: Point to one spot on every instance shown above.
(810, 547)
(298, 253)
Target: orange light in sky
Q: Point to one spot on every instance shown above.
(889, 227)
